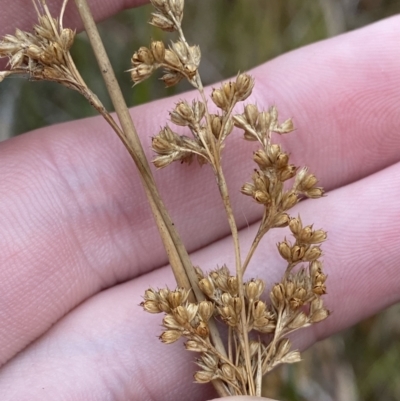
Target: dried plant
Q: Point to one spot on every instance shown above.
(257, 327)
(276, 185)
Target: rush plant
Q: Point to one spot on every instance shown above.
(258, 317)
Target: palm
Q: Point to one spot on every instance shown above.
(79, 246)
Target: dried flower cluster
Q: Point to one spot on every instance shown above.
(257, 327)
(178, 61)
(43, 54)
(294, 303)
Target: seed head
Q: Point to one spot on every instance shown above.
(170, 336)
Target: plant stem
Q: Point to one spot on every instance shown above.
(243, 335)
(179, 259)
(132, 143)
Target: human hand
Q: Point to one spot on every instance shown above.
(79, 246)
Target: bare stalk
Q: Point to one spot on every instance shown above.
(179, 259)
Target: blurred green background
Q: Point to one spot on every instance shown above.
(362, 363)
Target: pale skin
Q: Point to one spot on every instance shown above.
(79, 245)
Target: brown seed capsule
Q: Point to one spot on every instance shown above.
(145, 55)
(313, 254)
(319, 315)
(177, 8)
(228, 372)
(174, 298)
(289, 288)
(295, 303)
(260, 157)
(151, 306)
(304, 235)
(232, 284)
(170, 336)
(141, 72)
(285, 127)
(244, 86)
(181, 315)
(226, 298)
(190, 70)
(162, 22)
(247, 189)
(161, 5)
(282, 220)
(240, 121)
(199, 110)
(251, 113)
(56, 50)
(229, 90)
(300, 320)
(192, 311)
(259, 310)
(263, 122)
(202, 330)
(282, 160)
(67, 36)
(171, 78)
(287, 172)
(308, 182)
(315, 268)
(298, 253)
(289, 199)
(192, 345)
(206, 285)
(300, 293)
(182, 114)
(228, 315)
(203, 376)
(295, 226)
(23, 36)
(278, 292)
(314, 193)
(9, 48)
(170, 322)
(318, 236)
(319, 288)
(172, 59)
(236, 303)
(216, 125)
(319, 277)
(206, 310)
(261, 181)
(34, 52)
(17, 59)
(285, 250)
(219, 98)
(261, 197)
(158, 50)
(164, 306)
(254, 289)
(291, 357)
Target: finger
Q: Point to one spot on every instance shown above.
(21, 13)
(109, 346)
(74, 217)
